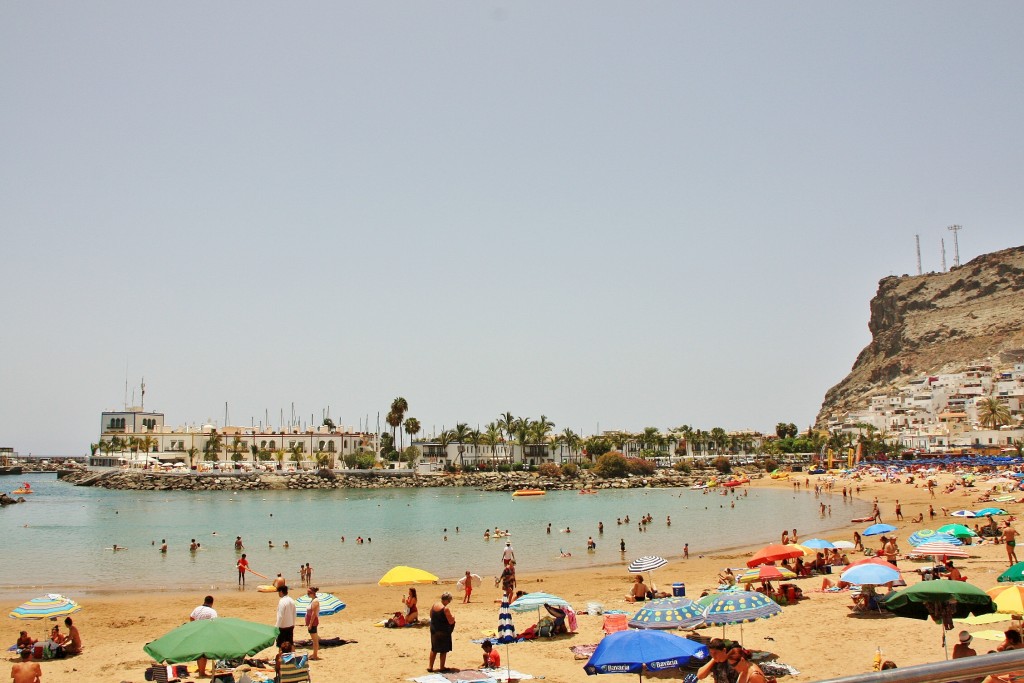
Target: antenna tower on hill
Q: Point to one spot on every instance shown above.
(956, 245)
(917, 240)
(943, 242)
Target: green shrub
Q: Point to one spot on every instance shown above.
(504, 467)
(683, 467)
(769, 465)
(365, 461)
(722, 464)
(570, 470)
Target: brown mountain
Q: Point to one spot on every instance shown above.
(938, 323)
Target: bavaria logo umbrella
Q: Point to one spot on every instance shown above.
(633, 651)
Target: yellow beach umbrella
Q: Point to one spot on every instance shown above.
(406, 576)
(1008, 599)
(804, 549)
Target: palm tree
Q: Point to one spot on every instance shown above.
(460, 435)
(992, 413)
(507, 423)
(279, 456)
(719, 438)
(412, 427)
(192, 453)
(400, 407)
(296, 451)
(572, 441)
(394, 420)
(476, 437)
(492, 437)
(521, 431)
(444, 439)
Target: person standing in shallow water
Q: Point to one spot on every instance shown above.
(442, 623)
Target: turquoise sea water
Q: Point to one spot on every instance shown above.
(57, 540)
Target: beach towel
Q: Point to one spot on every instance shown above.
(583, 651)
(570, 619)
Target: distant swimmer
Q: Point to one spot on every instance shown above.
(163, 545)
(193, 546)
(238, 543)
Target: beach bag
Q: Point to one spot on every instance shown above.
(546, 627)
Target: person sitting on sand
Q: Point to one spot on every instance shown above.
(918, 519)
(638, 593)
(727, 577)
(25, 641)
(412, 613)
(492, 660)
(73, 642)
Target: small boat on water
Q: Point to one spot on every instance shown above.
(584, 492)
(528, 492)
(25, 488)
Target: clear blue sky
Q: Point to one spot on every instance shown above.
(614, 214)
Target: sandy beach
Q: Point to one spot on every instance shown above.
(115, 626)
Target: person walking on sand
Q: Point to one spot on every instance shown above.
(467, 587)
(313, 620)
(204, 611)
(1010, 536)
(508, 554)
(899, 510)
(26, 671)
(442, 623)
(243, 566)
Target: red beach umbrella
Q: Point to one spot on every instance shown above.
(773, 553)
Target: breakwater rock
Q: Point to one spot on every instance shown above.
(365, 479)
(6, 500)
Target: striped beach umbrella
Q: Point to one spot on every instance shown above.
(328, 605)
(506, 629)
(963, 513)
(930, 536)
(646, 564)
(766, 573)
(668, 613)
(45, 607)
(939, 549)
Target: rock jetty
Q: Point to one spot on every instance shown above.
(366, 479)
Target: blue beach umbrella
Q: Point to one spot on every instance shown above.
(633, 651)
(328, 605)
(818, 543)
(870, 575)
(668, 613)
(990, 511)
(45, 607)
(963, 513)
(876, 529)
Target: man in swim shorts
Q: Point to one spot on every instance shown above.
(204, 611)
(1010, 536)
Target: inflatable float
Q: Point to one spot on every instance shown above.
(266, 588)
(528, 492)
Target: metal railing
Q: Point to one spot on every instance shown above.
(936, 672)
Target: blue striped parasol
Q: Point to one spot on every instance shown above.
(506, 629)
(928, 535)
(668, 613)
(45, 607)
(329, 604)
(737, 607)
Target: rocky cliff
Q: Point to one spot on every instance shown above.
(938, 323)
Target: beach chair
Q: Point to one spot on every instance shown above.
(614, 623)
(294, 669)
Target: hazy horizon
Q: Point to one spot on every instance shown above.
(623, 216)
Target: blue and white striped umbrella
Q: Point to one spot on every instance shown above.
(963, 513)
(506, 629)
(532, 601)
(328, 604)
(928, 535)
(45, 607)
(646, 564)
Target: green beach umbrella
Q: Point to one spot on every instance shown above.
(942, 600)
(958, 530)
(221, 638)
(1014, 573)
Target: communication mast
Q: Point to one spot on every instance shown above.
(917, 240)
(956, 245)
(943, 254)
